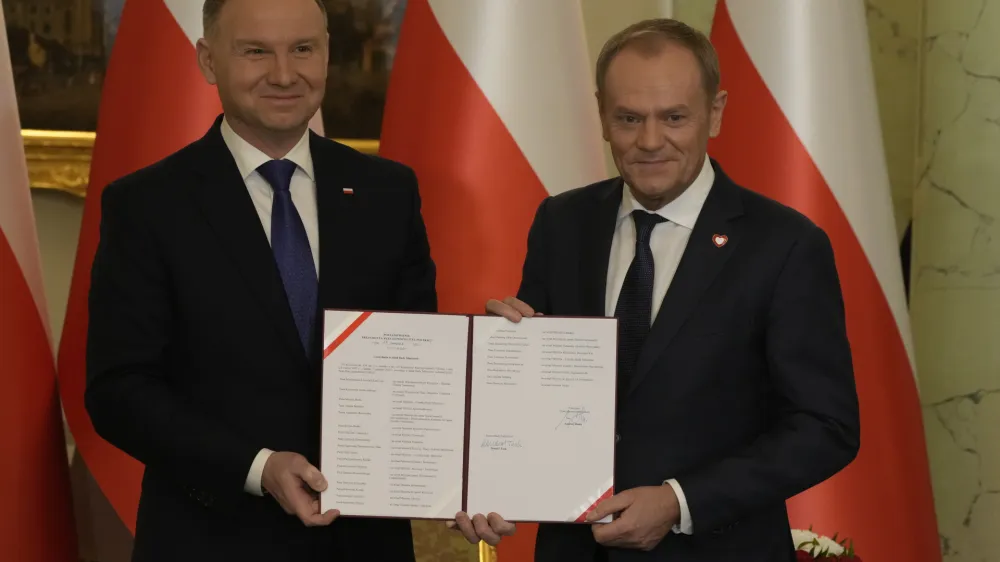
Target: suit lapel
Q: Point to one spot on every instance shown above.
(598, 232)
(225, 202)
(700, 264)
(338, 217)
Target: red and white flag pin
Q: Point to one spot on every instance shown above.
(348, 191)
(719, 240)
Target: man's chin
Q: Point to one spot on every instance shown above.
(653, 195)
(284, 123)
(652, 188)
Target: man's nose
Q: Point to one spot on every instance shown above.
(650, 136)
(282, 71)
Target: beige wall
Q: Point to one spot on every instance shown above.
(955, 297)
(937, 67)
(58, 216)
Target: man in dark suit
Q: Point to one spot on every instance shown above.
(735, 380)
(204, 357)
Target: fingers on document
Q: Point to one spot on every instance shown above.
(521, 307)
(498, 308)
(501, 527)
(314, 478)
(467, 528)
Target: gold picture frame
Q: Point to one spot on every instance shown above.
(60, 160)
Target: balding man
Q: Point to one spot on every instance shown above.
(204, 359)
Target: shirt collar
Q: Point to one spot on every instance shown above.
(249, 158)
(683, 210)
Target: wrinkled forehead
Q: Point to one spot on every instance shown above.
(670, 74)
(270, 21)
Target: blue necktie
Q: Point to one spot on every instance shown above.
(635, 302)
(290, 245)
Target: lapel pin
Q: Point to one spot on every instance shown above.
(720, 240)
(348, 191)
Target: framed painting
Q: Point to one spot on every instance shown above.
(60, 48)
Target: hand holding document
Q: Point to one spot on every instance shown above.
(428, 415)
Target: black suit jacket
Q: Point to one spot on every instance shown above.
(193, 359)
(744, 389)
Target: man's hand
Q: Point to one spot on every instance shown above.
(296, 484)
(490, 528)
(647, 515)
(511, 309)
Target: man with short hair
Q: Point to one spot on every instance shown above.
(735, 379)
(204, 343)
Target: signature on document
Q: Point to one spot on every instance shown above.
(501, 442)
(573, 416)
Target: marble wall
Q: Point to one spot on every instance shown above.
(955, 302)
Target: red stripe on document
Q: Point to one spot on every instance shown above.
(345, 334)
(583, 516)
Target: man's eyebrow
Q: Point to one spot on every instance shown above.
(243, 42)
(672, 109)
(247, 43)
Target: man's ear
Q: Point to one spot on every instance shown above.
(718, 106)
(600, 112)
(205, 61)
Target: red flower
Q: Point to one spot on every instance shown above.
(803, 556)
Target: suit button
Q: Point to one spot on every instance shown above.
(618, 438)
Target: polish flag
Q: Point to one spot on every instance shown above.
(802, 127)
(36, 517)
(492, 104)
(154, 102)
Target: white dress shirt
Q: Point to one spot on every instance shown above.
(303, 189)
(667, 244)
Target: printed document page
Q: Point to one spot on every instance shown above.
(542, 431)
(394, 397)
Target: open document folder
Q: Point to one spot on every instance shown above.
(426, 415)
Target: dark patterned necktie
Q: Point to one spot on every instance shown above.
(635, 302)
(290, 245)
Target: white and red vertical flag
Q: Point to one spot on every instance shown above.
(802, 126)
